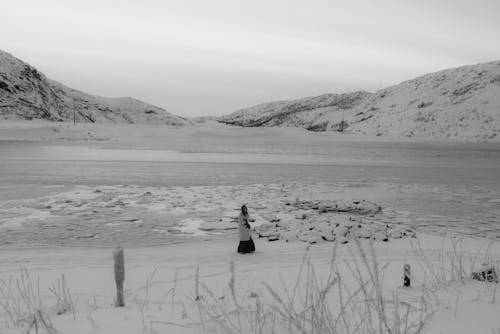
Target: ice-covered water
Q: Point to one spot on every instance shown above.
(77, 195)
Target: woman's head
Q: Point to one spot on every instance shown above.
(244, 209)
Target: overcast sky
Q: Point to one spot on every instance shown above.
(211, 57)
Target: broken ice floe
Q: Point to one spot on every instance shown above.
(315, 221)
(100, 215)
(361, 207)
(340, 229)
(191, 226)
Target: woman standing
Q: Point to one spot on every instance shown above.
(246, 243)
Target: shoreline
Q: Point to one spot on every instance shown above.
(104, 132)
(420, 236)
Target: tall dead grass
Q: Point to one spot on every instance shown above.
(343, 302)
(347, 297)
(451, 267)
(22, 304)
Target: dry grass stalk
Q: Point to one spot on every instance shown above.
(307, 307)
(22, 304)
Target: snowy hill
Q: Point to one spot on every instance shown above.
(461, 103)
(319, 113)
(204, 119)
(26, 93)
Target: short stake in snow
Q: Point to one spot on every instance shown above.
(119, 260)
(406, 276)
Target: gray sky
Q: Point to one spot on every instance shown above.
(211, 57)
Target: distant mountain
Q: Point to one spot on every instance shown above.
(204, 119)
(461, 103)
(25, 93)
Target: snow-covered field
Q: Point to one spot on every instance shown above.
(162, 285)
(169, 196)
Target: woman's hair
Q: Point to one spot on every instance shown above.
(244, 208)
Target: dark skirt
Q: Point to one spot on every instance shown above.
(246, 247)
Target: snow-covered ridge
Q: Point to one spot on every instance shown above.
(25, 93)
(461, 103)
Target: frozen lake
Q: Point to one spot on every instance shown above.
(44, 188)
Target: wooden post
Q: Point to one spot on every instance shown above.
(119, 266)
(406, 276)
